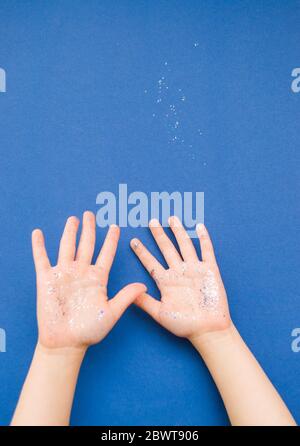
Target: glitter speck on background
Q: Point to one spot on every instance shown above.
(171, 107)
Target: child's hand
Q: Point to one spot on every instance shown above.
(73, 307)
(193, 298)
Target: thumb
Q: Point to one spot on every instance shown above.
(125, 297)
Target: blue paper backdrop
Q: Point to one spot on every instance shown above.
(82, 113)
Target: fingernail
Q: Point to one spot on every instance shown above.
(134, 243)
(73, 218)
(200, 228)
(154, 223)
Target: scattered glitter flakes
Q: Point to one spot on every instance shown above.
(210, 292)
(51, 290)
(196, 44)
(177, 315)
(183, 268)
(169, 100)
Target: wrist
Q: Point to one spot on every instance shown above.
(209, 341)
(48, 391)
(60, 355)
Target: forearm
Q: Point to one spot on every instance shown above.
(48, 391)
(248, 395)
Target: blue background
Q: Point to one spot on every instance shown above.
(76, 120)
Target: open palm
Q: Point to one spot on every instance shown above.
(193, 298)
(73, 307)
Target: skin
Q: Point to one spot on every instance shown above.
(73, 313)
(73, 306)
(193, 298)
(194, 305)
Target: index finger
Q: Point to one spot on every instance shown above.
(146, 258)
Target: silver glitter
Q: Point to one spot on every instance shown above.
(100, 314)
(135, 244)
(210, 292)
(177, 315)
(51, 290)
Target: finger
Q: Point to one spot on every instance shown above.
(108, 251)
(207, 250)
(125, 297)
(147, 259)
(40, 256)
(67, 247)
(86, 246)
(185, 244)
(167, 248)
(149, 305)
